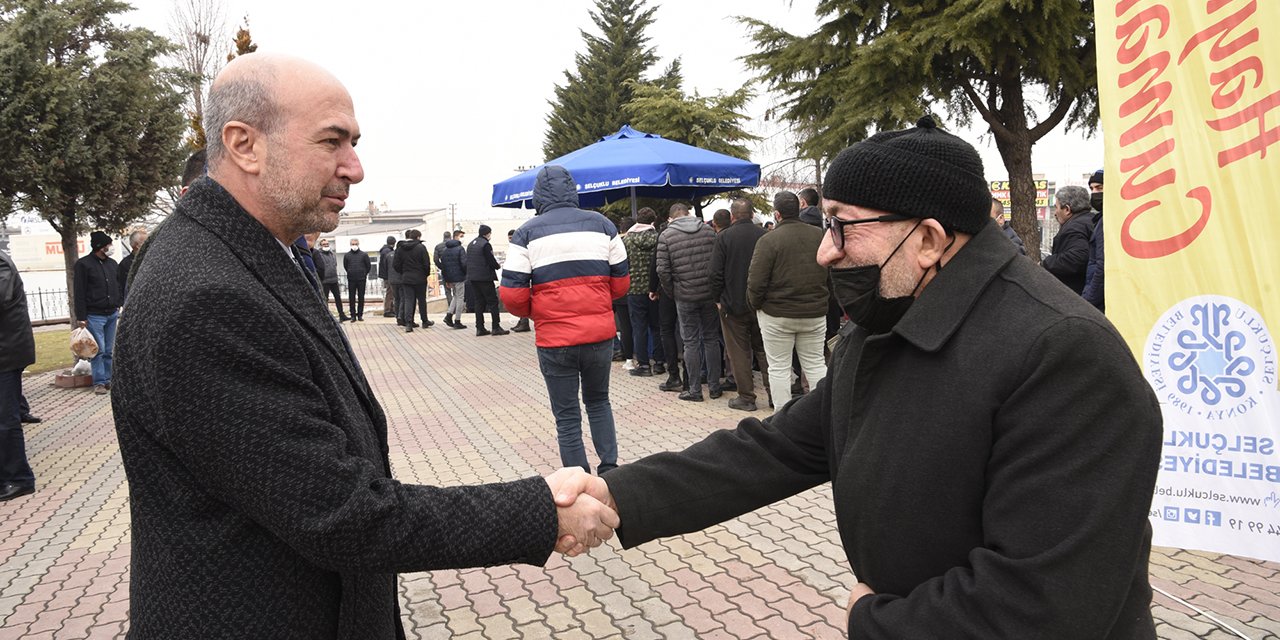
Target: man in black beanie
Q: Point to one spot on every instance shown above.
(1095, 271)
(976, 496)
(97, 300)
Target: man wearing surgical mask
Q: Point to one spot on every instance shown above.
(96, 289)
(976, 496)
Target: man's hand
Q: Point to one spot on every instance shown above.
(82, 324)
(653, 295)
(858, 592)
(586, 521)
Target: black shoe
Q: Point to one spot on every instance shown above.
(399, 322)
(481, 331)
(344, 319)
(499, 331)
(428, 323)
(691, 396)
(715, 393)
(413, 325)
(617, 356)
(9, 491)
(448, 319)
(458, 325)
(742, 404)
(604, 467)
(642, 370)
(30, 419)
(729, 385)
(520, 328)
(388, 315)
(659, 368)
(672, 384)
(408, 329)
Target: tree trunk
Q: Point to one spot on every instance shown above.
(1016, 154)
(70, 254)
(697, 208)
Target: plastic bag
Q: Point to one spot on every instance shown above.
(82, 343)
(82, 368)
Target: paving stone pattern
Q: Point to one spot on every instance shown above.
(466, 410)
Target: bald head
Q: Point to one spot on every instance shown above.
(259, 90)
(281, 140)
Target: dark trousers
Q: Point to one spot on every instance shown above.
(563, 368)
(742, 341)
(644, 327)
(413, 296)
(13, 447)
(332, 287)
(699, 326)
(622, 319)
(668, 327)
(486, 299)
(389, 298)
(355, 297)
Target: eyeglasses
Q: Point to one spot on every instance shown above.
(838, 225)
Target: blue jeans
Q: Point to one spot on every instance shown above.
(103, 329)
(563, 368)
(644, 327)
(13, 448)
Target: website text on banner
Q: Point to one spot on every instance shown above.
(1193, 155)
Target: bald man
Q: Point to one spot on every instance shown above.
(260, 485)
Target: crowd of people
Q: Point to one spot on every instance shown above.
(957, 454)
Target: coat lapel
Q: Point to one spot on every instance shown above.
(210, 206)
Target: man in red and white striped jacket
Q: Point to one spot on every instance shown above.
(564, 268)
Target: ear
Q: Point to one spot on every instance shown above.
(934, 242)
(245, 146)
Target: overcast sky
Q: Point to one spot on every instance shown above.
(452, 96)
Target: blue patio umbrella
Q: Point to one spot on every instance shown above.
(633, 163)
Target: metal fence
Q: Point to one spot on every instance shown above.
(48, 305)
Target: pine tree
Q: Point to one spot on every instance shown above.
(880, 64)
(589, 103)
(92, 124)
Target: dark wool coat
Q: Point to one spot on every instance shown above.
(684, 259)
(259, 482)
(1070, 258)
(983, 487)
(385, 254)
(730, 263)
(97, 287)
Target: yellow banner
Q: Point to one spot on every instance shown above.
(1191, 115)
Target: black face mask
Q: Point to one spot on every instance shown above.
(857, 290)
(1095, 201)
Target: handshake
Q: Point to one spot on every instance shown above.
(586, 510)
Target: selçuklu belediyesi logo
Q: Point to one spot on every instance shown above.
(1211, 357)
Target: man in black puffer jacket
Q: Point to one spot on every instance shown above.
(684, 268)
(414, 265)
(357, 265)
(452, 260)
(17, 352)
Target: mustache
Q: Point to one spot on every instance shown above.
(335, 192)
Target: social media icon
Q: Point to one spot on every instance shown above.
(1171, 513)
(1191, 516)
(1213, 518)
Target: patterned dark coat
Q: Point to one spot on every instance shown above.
(260, 487)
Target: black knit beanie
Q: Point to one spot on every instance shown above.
(98, 240)
(923, 172)
(1096, 178)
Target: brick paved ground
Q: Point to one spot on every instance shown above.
(467, 410)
